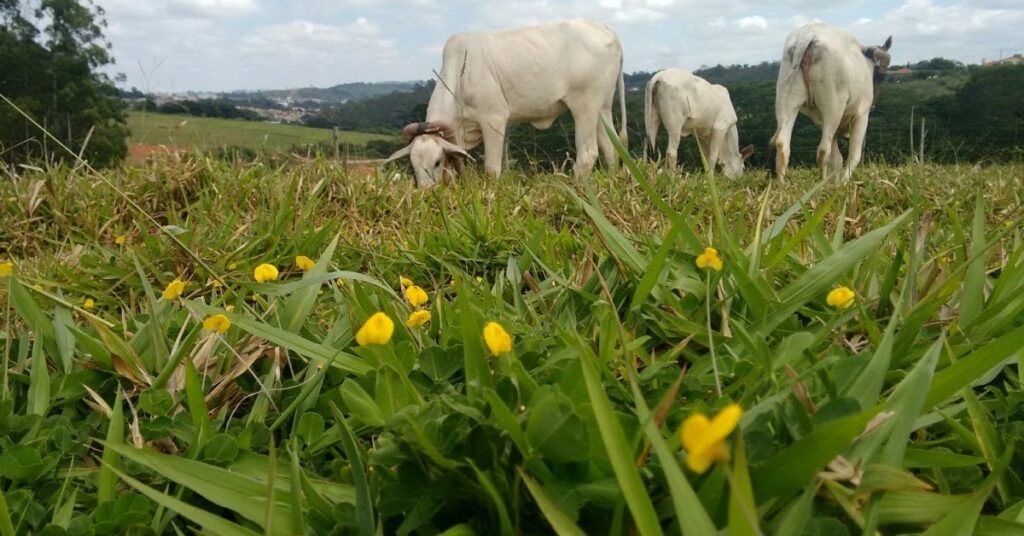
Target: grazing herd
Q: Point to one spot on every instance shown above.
(489, 81)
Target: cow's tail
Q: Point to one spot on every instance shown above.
(806, 60)
(623, 135)
(652, 121)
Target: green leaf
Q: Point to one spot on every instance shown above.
(6, 527)
(815, 282)
(360, 404)
(364, 503)
(742, 508)
(950, 380)
(559, 520)
(210, 523)
(795, 467)
(221, 449)
(972, 295)
(39, 383)
(690, 513)
(555, 430)
(298, 305)
(106, 479)
(246, 496)
(619, 453)
(295, 343)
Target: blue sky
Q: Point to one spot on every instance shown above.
(177, 45)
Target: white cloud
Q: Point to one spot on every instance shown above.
(754, 22)
(213, 8)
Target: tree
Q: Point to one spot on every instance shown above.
(49, 57)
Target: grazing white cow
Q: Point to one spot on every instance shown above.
(827, 75)
(686, 104)
(528, 75)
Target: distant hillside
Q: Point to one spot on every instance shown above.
(334, 94)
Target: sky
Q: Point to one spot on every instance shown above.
(222, 45)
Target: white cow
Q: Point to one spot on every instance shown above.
(686, 104)
(827, 75)
(528, 75)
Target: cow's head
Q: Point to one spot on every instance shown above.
(881, 58)
(732, 159)
(732, 165)
(429, 148)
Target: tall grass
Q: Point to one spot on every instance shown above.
(896, 415)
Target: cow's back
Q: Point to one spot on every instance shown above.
(532, 69)
(836, 64)
(704, 103)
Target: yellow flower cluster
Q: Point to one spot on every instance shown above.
(704, 439)
(709, 259)
(498, 340)
(174, 290)
(377, 330)
(217, 323)
(264, 273)
(416, 297)
(304, 263)
(841, 298)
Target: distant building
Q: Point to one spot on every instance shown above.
(901, 71)
(1016, 59)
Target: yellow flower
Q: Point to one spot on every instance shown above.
(405, 281)
(376, 330)
(264, 273)
(710, 259)
(232, 266)
(704, 440)
(174, 289)
(497, 339)
(416, 296)
(418, 318)
(479, 279)
(841, 298)
(304, 263)
(120, 239)
(6, 269)
(218, 323)
(229, 308)
(214, 282)
(88, 304)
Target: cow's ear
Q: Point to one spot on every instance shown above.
(888, 43)
(747, 152)
(401, 153)
(450, 149)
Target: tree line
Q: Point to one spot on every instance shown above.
(969, 114)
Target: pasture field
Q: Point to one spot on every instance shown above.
(211, 133)
(145, 413)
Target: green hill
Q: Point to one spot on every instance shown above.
(205, 133)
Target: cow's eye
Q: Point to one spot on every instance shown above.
(438, 163)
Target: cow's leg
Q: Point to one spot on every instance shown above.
(835, 164)
(604, 143)
(715, 141)
(784, 118)
(857, 132)
(493, 131)
(585, 120)
(672, 150)
(829, 127)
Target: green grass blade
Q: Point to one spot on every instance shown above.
(106, 478)
(693, 519)
(298, 305)
(364, 502)
(619, 453)
(562, 524)
(973, 294)
(210, 523)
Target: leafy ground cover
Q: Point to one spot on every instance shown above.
(131, 404)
